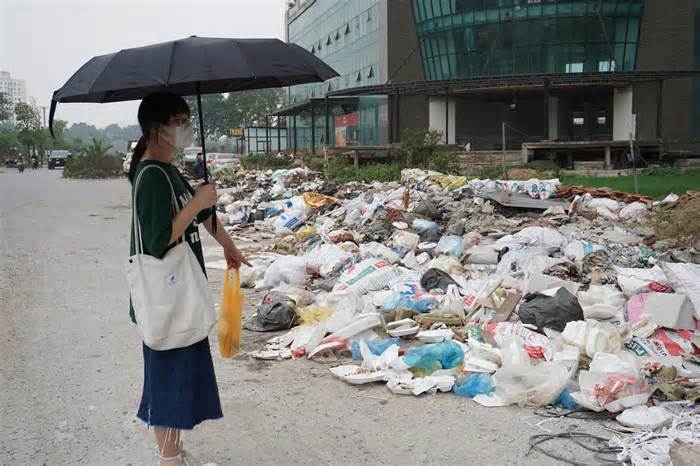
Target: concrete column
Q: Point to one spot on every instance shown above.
(608, 163)
(553, 118)
(622, 113)
(437, 111)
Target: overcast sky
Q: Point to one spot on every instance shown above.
(45, 41)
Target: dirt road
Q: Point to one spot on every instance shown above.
(71, 368)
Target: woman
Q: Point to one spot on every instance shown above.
(179, 389)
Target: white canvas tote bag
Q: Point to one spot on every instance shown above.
(171, 297)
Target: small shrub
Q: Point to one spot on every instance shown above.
(93, 166)
(313, 161)
(444, 162)
(494, 172)
(418, 147)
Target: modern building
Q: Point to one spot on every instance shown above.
(14, 89)
(551, 76)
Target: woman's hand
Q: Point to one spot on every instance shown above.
(205, 196)
(234, 258)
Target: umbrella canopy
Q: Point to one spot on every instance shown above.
(195, 65)
(191, 66)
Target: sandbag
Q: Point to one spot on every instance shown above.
(553, 312)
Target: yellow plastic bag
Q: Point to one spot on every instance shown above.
(230, 319)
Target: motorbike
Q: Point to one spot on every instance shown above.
(35, 164)
(20, 167)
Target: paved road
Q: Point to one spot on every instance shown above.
(70, 367)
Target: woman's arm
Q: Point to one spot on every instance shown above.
(182, 220)
(233, 255)
(204, 197)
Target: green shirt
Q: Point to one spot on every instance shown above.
(155, 212)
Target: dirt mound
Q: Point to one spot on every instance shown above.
(680, 222)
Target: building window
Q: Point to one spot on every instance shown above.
(578, 119)
(607, 65)
(574, 67)
(601, 119)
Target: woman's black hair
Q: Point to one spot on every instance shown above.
(155, 109)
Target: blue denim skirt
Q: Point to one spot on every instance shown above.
(179, 387)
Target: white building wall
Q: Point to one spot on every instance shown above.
(436, 117)
(14, 89)
(622, 114)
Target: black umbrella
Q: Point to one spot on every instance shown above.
(191, 66)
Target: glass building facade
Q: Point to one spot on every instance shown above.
(346, 35)
(470, 38)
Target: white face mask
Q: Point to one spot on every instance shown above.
(178, 136)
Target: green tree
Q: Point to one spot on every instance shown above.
(237, 109)
(28, 123)
(212, 111)
(5, 108)
(250, 108)
(97, 148)
(8, 140)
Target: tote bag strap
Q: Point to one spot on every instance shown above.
(137, 225)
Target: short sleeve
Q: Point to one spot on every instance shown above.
(155, 211)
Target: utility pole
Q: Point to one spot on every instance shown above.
(43, 110)
(503, 148)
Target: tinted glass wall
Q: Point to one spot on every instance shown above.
(467, 38)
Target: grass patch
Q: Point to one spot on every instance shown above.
(264, 162)
(93, 166)
(342, 172)
(656, 183)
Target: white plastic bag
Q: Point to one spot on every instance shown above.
(482, 255)
(685, 278)
(450, 245)
(633, 210)
(601, 301)
(579, 249)
(536, 385)
(374, 249)
(540, 236)
(405, 239)
(592, 337)
(286, 269)
(328, 258)
(453, 302)
(632, 280)
(604, 202)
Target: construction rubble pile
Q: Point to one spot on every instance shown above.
(439, 284)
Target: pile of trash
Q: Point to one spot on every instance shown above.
(432, 285)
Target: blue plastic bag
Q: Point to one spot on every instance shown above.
(376, 347)
(565, 401)
(477, 384)
(446, 354)
(400, 300)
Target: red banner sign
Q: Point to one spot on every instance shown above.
(346, 120)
